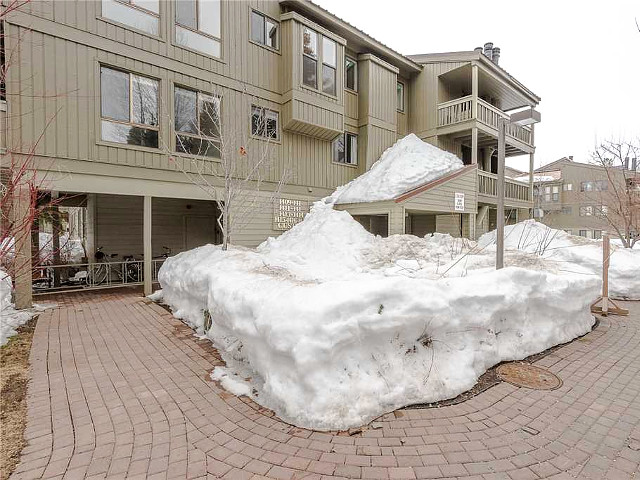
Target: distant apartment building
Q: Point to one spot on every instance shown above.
(576, 197)
(122, 93)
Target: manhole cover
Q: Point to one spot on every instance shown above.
(528, 376)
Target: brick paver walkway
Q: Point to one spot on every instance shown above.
(121, 389)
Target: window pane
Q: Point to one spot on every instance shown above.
(128, 134)
(145, 100)
(272, 33)
(114, 89)
(328, 52)
(130, 16)
(309, 72)
(338, 149)
(186, 13)
(198, 42)
(310, 42)
(209, 116)
(257, 27)
(257, 122)
(400, 92)
(152, 5)
(185, 111)
(352, 151)
(197, 146)
(328, 80)
(271, 123)
(350, 68)
(209, 17)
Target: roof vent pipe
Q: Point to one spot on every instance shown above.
(495, 55)
(488, 49)
(478, 49)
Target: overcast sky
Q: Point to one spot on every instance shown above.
(581, 57)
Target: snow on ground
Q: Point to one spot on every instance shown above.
(408, 164)
(569, 253)
(10, 318)
(331, 326)
(71, 249)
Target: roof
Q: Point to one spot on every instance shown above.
(353, 34)
(542, 177)
(473, 55)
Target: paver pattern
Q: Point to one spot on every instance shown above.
(121, 389)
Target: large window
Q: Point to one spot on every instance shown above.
(555, 196)
(143, 15)
(198, 25)
(567, 187)
(345, 149)
(197, 123)
(264, 122)
(400, 95)
(312, 57)
(586, 186)
(129, 108)
(351, 74)
(586, 211)
(264, 30)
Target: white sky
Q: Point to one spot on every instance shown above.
(585, 63)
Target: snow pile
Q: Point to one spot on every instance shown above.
(408, 164)
(574, 254)
(332, 327)
(71, 249)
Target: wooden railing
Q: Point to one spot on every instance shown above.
(454, 111)
(460, 110)
(513, 190)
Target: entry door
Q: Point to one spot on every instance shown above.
(199, 231)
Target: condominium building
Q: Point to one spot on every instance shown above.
(127, 105)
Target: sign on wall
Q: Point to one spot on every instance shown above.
(287, 212)
(458, 205)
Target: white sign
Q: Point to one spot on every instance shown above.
(459, 202)
(288, 212)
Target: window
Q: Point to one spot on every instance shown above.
(328, 57)
(567, 187)
(143, 15)
(264, 122)
(566, 210)
(586, 211)
(600, 186)
(129, 108)
(555, 193)
(582, 233)
(586, 186)
(601, 211)
(345, 149)
(547, 194)
(597, 234)
(198, 25)
(310, 58)
(329, 66)
(400, 94)
(264, 30)
(197, 123)
(351, 74)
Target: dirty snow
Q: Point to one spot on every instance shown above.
(331, 327)
(408, 164)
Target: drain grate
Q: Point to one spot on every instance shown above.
(528, 376)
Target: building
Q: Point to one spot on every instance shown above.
(576, 197)
(123, 93)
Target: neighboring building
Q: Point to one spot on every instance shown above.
(575, 197)
(116, 86)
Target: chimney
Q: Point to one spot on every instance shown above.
(626, 163)
(634, 164)
(495, 55)
(488, 50)
(478, 49)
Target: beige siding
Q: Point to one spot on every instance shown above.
(441, 197)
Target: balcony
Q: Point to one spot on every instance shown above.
(515, 193)
(460, 110)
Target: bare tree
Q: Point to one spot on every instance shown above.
(620, 199)
(234, 165)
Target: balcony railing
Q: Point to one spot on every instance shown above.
(513, 190)
(460, 110)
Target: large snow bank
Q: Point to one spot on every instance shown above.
(408, 164)
(569, 253)
(331, 326)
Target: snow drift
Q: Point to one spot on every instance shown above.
(332, 327)
(408, 164)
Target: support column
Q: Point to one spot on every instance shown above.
(531, 168)
(502, 123)
(90, 227)
(474, 113)
(55, 237)
(486, 161)
(148, 283)
(20, 208)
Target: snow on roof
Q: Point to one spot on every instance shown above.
(545, 177)
(408, 164)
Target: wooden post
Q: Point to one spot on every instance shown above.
(606, 309)
(148, 282)
(502, 125)
(474, 114)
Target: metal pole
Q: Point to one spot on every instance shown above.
(502, 123)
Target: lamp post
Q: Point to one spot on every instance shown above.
(522, 118)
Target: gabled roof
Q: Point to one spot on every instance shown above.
(553, 165)
(434, 183)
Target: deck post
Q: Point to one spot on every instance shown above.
(531, 169)
(148, 282)
(21, 203)
(502, 123)
(474, 114)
